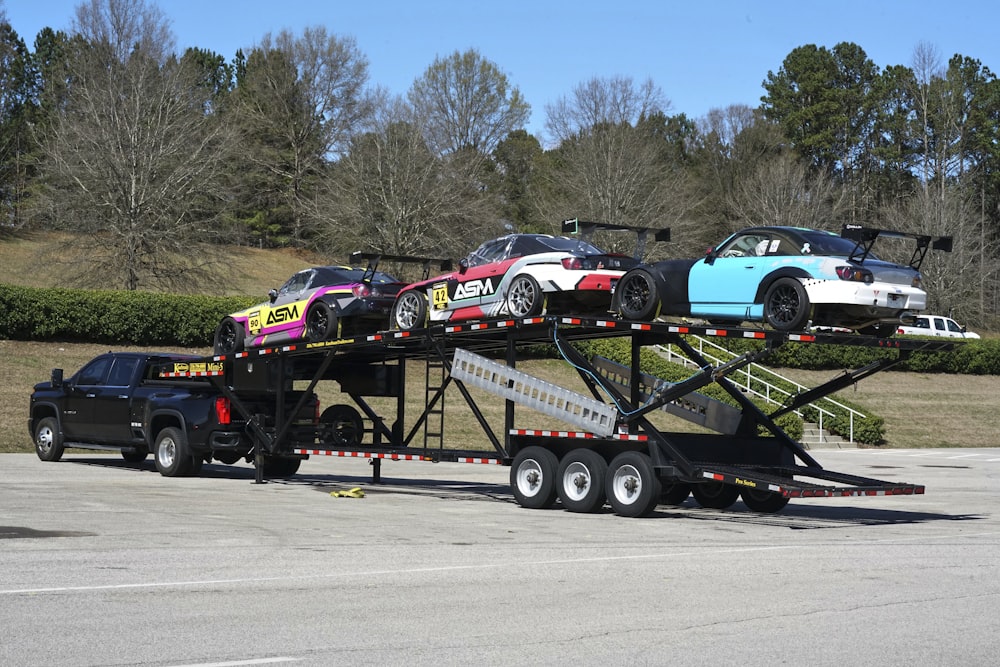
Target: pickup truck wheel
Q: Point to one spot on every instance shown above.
(173, 458)
(229, 337)
(48, 440)
(280, 467)
(136, 455)
(341, 426)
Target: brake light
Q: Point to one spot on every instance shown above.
(362, 290)
(223, 411)
(855, 274)
(572, 263)
(316, 411)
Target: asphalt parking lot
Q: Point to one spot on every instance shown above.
(107, 564)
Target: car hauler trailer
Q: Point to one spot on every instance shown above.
(612, 454)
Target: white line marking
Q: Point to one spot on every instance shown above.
(236, 663)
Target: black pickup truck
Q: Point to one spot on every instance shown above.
(117, 402)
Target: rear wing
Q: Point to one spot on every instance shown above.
(586, 230)
(865, 238)
(373, 259)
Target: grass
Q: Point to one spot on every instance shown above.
(920, 410)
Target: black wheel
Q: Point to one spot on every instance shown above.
(281, 467)
(767, 502)
(525, 298)
(674, 494)
(580, 477)
(715, 495)
(786, 305)
(341, 426)
(533, 478)
(632, 486)
(410, 310)
(172, 456)
(48, 439)
(321, 323)
(136, 455)
(638, 297)
(229, 337)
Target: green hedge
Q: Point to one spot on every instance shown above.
(112, 317)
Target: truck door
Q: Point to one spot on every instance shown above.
(112, 405)
(81, 403)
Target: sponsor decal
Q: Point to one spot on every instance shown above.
(180, 367)
(474, 288)
(439, 296)
(745, 482)
(283, 314)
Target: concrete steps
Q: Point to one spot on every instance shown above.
(813, 437)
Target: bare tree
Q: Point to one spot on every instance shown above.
(394, 194)
(467, 103)
(132, 161)
(612, 101)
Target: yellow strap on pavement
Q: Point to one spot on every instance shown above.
(356, 492)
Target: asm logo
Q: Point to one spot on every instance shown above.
(283, 314)
(474, 288)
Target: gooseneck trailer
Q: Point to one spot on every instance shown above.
(611, 452)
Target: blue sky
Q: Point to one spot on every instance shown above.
(703, 55)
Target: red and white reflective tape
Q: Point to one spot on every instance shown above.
(393, 456)
(580, 435)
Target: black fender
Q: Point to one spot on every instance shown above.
(783, 272)
(671, 276)
(161, 419)
(40, 411)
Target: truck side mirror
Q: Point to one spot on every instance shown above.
(57, 377)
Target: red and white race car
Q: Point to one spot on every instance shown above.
(521, 275)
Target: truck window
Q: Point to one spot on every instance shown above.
(94, 372)
(122, 372)
(953, 326)
(939, 324)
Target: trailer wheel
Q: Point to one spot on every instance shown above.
(135, 454)
(172, 456)
(410, 310)
(674, 494)
(581, 480)
(48, 440)
(341, 426)
(281, 467)
(715, 495)
(633, 488)
(533, 478)
(638, 296)
(766, 502)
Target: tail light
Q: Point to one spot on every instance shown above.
(918, 281)
(223, 411)
(855, 274)
(362, 290)
(572, 263)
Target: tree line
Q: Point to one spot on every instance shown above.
(150, 158)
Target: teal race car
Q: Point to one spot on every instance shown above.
(790, 278)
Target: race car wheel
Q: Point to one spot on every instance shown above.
(786, 305)
(638, 298)
(410, 311)
(525, 298)
(321, 323)
(341, 426)
(48, 440)
(229, 337)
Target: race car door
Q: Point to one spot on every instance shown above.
(724, 284)
(470, 292)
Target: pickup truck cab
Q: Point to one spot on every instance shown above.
(117, 402)
(936, 325)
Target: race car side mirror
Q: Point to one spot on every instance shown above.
(463, 265)
(272, 295)
(710, 256)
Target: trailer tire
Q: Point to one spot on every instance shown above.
(171, 453)
(341, 426)
(633, 488)
(675, 494)
(533, 478)
(281, 467)
(48, 439)
(765, 502)
(581, 476)
(135, 454)
(715, 495)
